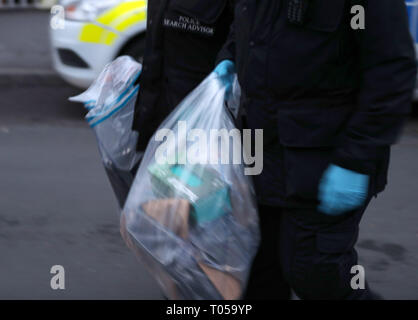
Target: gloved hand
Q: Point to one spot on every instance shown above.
(342, 190)
(225, 70)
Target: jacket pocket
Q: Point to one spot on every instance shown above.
(311, 128)
(331, 272)
(309, 139)
(307, 56)
(325, 15)
(303, 169)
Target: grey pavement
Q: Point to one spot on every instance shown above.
(57, 208)
(388, 243)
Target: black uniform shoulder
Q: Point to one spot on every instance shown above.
(205, 11)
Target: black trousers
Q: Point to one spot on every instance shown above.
(308, 251)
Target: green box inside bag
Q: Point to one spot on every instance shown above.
(201, 185)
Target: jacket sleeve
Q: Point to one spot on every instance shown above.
(227, 52)
(150, 79)
(388, 75)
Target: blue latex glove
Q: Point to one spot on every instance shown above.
(225, 70)
(342, 190)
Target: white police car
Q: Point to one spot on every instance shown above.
(92, 33)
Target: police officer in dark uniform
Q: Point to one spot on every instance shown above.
(332, 99)
(182, 42)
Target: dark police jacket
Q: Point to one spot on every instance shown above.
(323, 91)
(182, 42)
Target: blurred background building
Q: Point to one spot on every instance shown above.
(14, 4)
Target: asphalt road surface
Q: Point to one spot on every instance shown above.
(56, 205)
(24, 40)
(57, 208)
